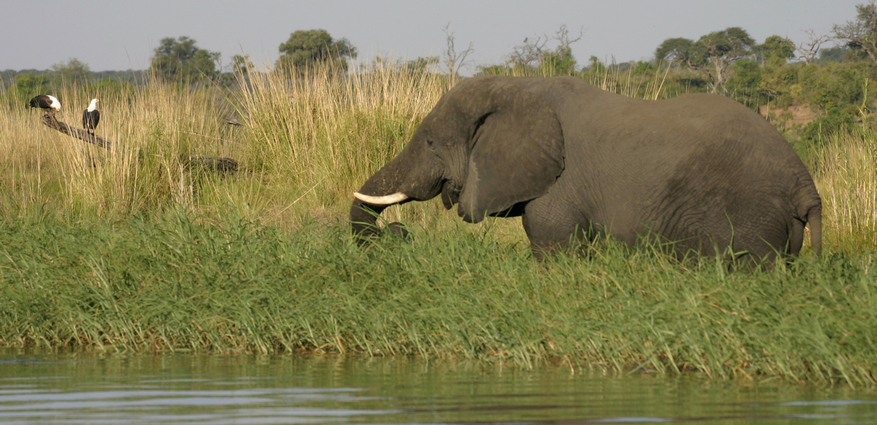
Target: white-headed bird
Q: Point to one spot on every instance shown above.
(47, 102)
(90, 117)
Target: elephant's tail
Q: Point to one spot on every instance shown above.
(814, 217)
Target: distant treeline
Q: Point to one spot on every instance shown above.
(808, 89)
(7, 77)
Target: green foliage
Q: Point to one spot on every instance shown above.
(777, 83)
(111, 87)
(422, 64)
(861, 35)
(746, 74)
(674, 50)
(595, 65)
(832, 54)
(29, 83)
(776, 50)
(644, 68)
(73, 71)
(742, 85)
(182, 61)
(214, 284)
(836, 120)
(559, 62)
(241, 64)
(305, 49)
(836, 85)
(25, 87)
(710, 55)
(534, 57)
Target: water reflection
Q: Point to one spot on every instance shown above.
(82, 388)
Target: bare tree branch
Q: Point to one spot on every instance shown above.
(809, 50)
(453, 59)
(534, 53)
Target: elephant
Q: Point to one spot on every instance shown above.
(701, 172)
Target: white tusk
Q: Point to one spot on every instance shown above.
(381, 200)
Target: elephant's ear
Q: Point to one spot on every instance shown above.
(517, 155)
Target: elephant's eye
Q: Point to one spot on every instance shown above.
(429, 142)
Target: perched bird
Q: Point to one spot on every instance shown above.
(91, 116)
(47, 102)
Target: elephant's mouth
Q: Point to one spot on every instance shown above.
(450, 194)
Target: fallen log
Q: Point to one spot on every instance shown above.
(78, 133)
(219, 165)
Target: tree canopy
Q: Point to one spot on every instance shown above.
(182, 61)
(72, 71)
(711, 55)
(776, 50)
(308, 47)
(861, 35)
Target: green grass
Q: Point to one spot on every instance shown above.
(229, 285)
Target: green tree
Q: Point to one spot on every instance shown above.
(832, 54)
(777, 82)
(776, 50)
(73, 71)
(535, 56)
(304, 49)
(30, 83)
(241, 64)
(712, 54)
(107, 86)
(861, 35)
(745, 77)
(644, 68)
(595, 66)
(181, 60)
(25, 87)
(422, 64)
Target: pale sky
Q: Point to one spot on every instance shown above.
(122, 34)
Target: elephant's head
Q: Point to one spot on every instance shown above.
(488, 145)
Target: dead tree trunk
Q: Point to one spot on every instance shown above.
(219, 165)
(80, 134)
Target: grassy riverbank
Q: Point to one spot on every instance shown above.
(129, 250)
(236, 286)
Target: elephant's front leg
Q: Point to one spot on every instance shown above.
(552, 225)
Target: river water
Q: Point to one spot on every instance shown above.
(89, 388)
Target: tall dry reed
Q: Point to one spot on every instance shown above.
(846, 177)
(308, 140)
(304, 147)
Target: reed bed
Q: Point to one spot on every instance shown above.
(133, 250)
(846, 178)
(235, 286)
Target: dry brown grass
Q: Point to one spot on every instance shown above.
(846, 178)
(305, 146)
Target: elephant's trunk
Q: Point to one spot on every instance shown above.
(363, 218)
(379, 192)
(411, 176)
